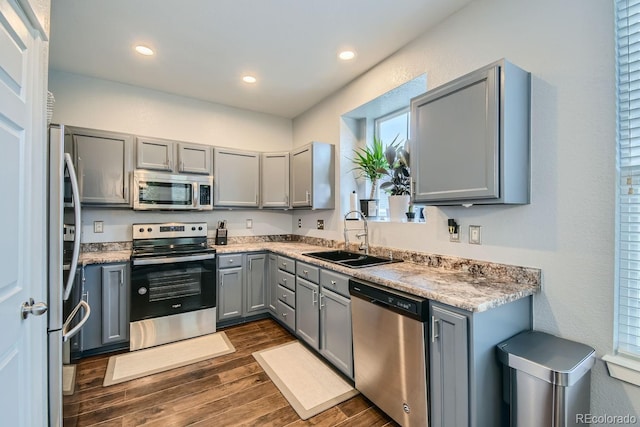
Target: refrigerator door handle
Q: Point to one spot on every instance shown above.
(67, 334)
(77, 221)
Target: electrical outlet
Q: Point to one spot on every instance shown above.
(98, 226)
(299, 222)
(474, 235)
(249, 223)
(320, 224)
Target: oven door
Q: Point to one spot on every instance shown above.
(162, 286)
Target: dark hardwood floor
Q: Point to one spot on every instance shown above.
(230, 390)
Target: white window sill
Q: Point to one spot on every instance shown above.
(623, 368)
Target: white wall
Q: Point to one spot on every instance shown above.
(567, 230)
(100, 104)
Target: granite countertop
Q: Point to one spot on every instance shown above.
(466, 284)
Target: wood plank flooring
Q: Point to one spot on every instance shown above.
(230, 390)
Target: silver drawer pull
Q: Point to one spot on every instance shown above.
(230, 261)
(284, 264)
(306, 273)
(284, 314)
(284, 296)
(333, 282)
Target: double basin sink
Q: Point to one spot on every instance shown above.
(351, 259)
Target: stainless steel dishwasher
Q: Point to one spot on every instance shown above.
(389, 352)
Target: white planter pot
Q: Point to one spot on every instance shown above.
(398, 205)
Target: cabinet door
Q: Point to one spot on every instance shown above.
(301, 164)
(336, 343)
(91, 333)
(104, 162)
(156, 154)
(229, 293)
(449, 360)
(273, 283)
(115, 312)
(275, 180)
(307, 318)
(236, 178)
(194, 158)
(256, 284)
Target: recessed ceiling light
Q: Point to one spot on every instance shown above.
(249, 79)
(144, 50)
(346, 55)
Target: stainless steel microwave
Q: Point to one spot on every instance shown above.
(164, 191)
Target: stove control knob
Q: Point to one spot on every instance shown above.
(142, 291)
(200, 228)
(149, 229)
(141, 230)
(193, 229)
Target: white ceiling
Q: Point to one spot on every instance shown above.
(204, 47)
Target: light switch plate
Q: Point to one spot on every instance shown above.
(474, 235)
(249, 223)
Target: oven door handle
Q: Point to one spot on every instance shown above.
(163, 260)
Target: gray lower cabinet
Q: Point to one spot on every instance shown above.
(104, 162)
(256, 284)
(272, 297)
(106, 289)
(285, 289)
(230, 283)
(323, 314)
(465, 376)
(242, 285)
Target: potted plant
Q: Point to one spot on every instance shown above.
(371, 163)
(398, 185)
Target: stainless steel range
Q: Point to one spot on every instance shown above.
(173, 284)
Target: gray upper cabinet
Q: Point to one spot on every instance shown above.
(194, 158)
(173, 156)
(313, 176)
(153, 153)
(275, 180)
(470, 139)
(104, 161)
(236, 178)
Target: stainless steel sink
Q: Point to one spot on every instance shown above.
(351, 259)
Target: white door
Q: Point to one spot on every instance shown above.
(23, 345)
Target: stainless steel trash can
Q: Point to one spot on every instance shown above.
(546, 379)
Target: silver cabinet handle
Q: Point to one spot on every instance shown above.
(434, 328)
(35, 308)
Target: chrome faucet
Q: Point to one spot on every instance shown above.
(364, 232)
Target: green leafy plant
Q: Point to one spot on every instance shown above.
(371, 163)
(398, 172)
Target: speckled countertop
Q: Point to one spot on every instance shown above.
(467, 284)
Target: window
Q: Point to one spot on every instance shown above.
(625, 364)
(386, 128)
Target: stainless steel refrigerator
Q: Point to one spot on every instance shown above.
(65, 318)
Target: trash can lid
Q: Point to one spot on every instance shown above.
(550, 358)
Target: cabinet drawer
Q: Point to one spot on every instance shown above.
(287, 280)
(308, 271)
(287, 264)
(334, 281)
(287, 296)
(287, 315)
(229, 260)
